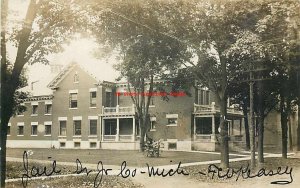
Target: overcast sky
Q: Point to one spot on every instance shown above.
(79, 51)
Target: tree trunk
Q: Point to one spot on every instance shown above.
(298, 128)
(224, 134)
(283, 120)
(260, 147)
(6, 112)
(290, 133)
(142, 137)
(247, 131)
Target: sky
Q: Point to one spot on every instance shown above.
(79, 50)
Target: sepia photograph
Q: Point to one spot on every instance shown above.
(150, 94)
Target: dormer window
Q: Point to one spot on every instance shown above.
(76, 77)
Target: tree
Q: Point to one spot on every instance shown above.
(215, 32)
(277, 31)
(46, 26)
(133, 29)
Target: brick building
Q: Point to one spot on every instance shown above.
(79, 111)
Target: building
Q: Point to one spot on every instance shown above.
(80, 111)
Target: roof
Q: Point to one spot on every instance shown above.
(42, 81)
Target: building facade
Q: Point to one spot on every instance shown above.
(83, 113)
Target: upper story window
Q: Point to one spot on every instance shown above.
(172, 119)
(73, 99)
(93, 98)
(203, 97)
(109, 99)
(48, 108)
(76, 77)
(34, 109)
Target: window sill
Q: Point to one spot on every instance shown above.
(151, 106)
(47, 135)
(8, 135)
(93, 136)
(48, 114)
(20, 115)
(62, 136)
(153, 130)
(73, 108)
(34, 115)
(76, 136)
(93, 107)
(20, 135)
(172, 125)
(33, 135)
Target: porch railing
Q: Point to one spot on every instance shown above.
(214, 108)
(118, 110)
(125, 137)
(109, 137)
(203, 137)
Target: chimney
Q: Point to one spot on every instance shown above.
(56, 68)
(33, 83)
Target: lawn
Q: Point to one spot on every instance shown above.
(115, 157)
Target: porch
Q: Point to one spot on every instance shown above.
(206, 127)
(119, 128)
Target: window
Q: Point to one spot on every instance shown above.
(48, 129)
(73, 100)
(48, 109)
(34, 130)
(110, 127)
(63, 128)
(172, 119)
(21, 130)
(62, 144)
(76, 144)
(172, 146)
(152, 102)
(76, 78)
(77, 127)
(93, 127)
(108, 96)
(203, 97)
(93, 100)
(93, 144)
(34, 109)
(152, 123)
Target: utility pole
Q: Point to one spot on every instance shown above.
(252, 126)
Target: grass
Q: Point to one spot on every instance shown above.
(115, 157)
(75, 182)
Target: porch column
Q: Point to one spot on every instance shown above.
(133, 129)
(213, 127)
(241, 121)
(194, 128)
(102, 128)
(118, 130)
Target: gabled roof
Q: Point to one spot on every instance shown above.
(54, 83)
